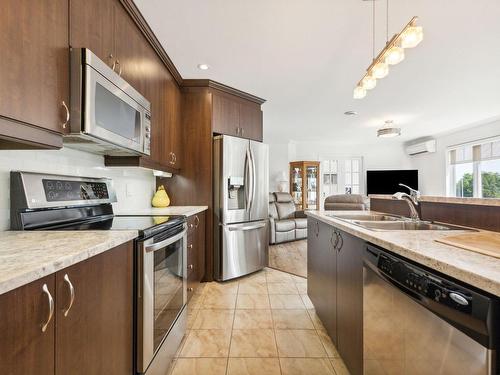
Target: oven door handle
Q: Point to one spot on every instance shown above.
(164, 243)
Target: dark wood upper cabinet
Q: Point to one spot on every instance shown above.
(24, 348)
(34, 70)
(225, 114)
(92, 25)
(251, 121)
(234, 116)
(95, 336)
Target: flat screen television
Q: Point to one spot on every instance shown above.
(387, 182)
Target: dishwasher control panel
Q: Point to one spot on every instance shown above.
(423, 284)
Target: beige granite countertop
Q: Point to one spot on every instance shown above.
(30, 255)
(172, 210)
(472, 268)
(453, 200)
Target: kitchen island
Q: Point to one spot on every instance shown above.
(338, 275)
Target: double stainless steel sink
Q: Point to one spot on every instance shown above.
(381, 222)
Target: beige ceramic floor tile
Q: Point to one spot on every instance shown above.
(316, 320)
(327, 342)
(286, 301)
(200, 366)
(252, 301)
(302, 288)
(299, 343)
(307, 301)
(292, 319)
(299, 279)
(253, 366)
(278, 277)
(227, 287)
(207, 343)
(253, 288)
(306, 366)
(246, 319)
(214, 319)
(339, 366)
(215, 300)
(195, 301)
(253, 343)
(282, 288)
(191, 317)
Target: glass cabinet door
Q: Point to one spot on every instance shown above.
(296, 186)
(312, 186)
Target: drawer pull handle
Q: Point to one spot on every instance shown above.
(196, 221)
(190, 289)
(45, 290)
(190, 246)
(66, 120)
(190, 266)
(71, 293)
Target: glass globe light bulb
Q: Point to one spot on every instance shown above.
(412, 37)
(380, 70)
(359, 92)
(395, 55)
(368, 82)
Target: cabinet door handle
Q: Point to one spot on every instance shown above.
(66, 120)
(45, 290)
(171, 161)
(238, 130)
(334, 244)
(317, 229)
(190, 246)
(190, 289)
(174, 157)
(190, 266)
(71, 294)
(111, 58)
(341, 242)
(196, 222)
(117, 63)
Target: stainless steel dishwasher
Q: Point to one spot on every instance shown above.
(415, 321)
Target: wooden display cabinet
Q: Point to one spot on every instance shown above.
(304, 184)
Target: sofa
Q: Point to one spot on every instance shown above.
(345, 202)
(285, 223)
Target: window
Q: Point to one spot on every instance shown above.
(352, 170)
(474, 170)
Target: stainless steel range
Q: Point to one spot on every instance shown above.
(53, 202)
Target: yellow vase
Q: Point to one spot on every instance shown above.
(161, 199)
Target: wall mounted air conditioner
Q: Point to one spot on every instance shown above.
(423, 147)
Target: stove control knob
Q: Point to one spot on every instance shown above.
(459, 298)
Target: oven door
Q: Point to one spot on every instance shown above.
(161, 299)
(112, 115)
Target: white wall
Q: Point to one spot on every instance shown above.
(432, 167)
(388, 154)
(134, 186)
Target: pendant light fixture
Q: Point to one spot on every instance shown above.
(393, 53)
(388, 130)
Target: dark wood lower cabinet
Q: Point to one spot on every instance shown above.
(321, 277)
(196, 252)
(24, 348)
(335, 287)
(95, 337)
(92, 335)
(350, 301)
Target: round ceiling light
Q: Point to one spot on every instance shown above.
(389, 131)
(203, 66)
(350, 113)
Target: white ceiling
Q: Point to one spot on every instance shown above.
(305, 57)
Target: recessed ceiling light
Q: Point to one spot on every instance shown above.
(350, 113)
(203, 66)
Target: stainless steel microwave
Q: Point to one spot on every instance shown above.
(108, 116)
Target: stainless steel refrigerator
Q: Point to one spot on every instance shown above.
(241, 206)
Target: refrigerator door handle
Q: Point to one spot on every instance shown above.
(254, 177)
(251, 174)
(248, 176)
(246, 227)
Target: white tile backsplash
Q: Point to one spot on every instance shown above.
(137, 182)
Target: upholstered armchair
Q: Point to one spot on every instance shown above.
(285, 223)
